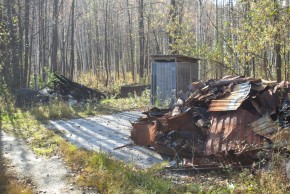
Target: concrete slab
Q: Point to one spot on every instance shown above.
(106, 132)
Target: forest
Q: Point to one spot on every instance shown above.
(82, 135)
(113, 40)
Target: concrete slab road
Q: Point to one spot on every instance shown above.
(106, 132)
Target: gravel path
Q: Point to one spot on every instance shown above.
(106, 132)
(47, 175)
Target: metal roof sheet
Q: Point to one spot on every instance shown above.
(178, 58)
(233, 101)
(264, 126)
(230, 131)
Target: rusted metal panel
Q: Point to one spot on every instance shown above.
(180, 122)
(264, 126)
(230, 131)
(144, 133)
(233, 101)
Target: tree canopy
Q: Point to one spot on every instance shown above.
(113, 40)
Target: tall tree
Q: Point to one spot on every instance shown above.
(131, 44)
(54, 46)
(72, 51)
(15, 44)
(26, 43)
(141, 38)
(106, 43)
(278, 60)
(173, 18)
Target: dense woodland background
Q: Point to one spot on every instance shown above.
(113, 39)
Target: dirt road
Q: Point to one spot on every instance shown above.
(45, 175)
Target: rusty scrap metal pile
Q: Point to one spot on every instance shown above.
(219, 123)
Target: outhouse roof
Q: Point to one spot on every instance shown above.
(177, 58)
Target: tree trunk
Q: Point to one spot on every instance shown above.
(106, 43)
(54, 46)
(172, 35)
(26, 43)
(15, 45)
(278, 59)
(141, 37)
(72, 53)
(20, 54)
(131, 48)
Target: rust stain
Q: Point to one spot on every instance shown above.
(230, 131)
(144, 133)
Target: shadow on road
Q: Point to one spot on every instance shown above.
(106, 132)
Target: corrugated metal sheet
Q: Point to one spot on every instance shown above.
(233, 101)
(230, 131)
(186, 73)
(163, 81)
(264, 126)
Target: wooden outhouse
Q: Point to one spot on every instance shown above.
(171, 74)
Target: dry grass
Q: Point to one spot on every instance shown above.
(8, 184)
(16, 188)
(91, 80)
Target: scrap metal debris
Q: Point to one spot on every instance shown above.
(61, 87)
(218, 123)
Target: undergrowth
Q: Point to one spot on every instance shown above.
(91, 80)
(59, 109)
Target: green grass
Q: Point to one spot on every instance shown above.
(62, 110)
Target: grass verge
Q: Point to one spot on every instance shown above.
(8, 182)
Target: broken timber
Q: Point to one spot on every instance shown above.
(67, 87)
(224, 122)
